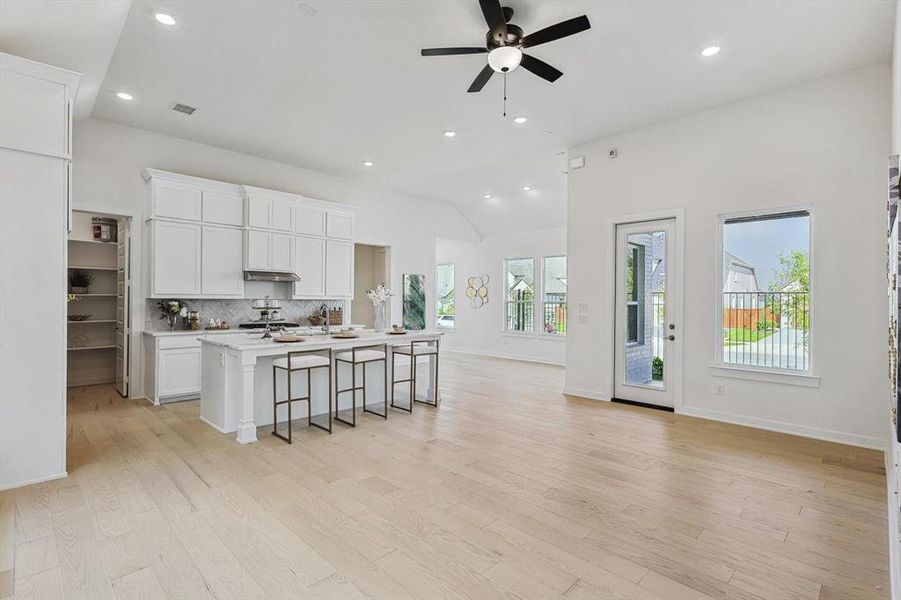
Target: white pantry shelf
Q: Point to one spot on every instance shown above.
(86, 268)
(70, 321)
(73, 349)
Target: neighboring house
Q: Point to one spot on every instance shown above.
(744, 305)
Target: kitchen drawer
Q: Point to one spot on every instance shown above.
(165, 342)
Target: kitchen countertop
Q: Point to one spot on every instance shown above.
(237, 331)
(244, 341)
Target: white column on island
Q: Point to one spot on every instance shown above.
(247, 429)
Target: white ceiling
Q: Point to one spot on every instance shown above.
(79, 35)
(325, 85)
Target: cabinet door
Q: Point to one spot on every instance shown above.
(257, 257)
(178, 371)
(309, 264)
(258, 212)
(223, 262)
(176, 200)
(310, 220)
(281, 252)
(223, 208)
(282, 215)
(340, 225)
(176, 259)
(34, 114)
(339, 269)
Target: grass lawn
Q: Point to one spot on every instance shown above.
(736, 335)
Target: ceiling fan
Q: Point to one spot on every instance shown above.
(504, 44)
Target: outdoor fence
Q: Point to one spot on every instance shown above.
(520, 311)
(767, 329)
(555, 317)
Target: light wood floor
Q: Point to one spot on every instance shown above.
(509, 490)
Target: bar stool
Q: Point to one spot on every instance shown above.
(414, 350)
(361, 355)
(300, 360)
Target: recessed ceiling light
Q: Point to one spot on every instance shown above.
(164, 18)
(527, 188)
(486, 196)
(368, 163)
(124, 96)
(710, 51)
(450, 133)
(520, 119)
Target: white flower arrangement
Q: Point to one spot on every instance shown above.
(379, 295)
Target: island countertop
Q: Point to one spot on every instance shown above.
(254, 341)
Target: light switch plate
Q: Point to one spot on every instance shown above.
(577, 162)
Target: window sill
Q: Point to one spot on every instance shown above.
(750, 374)
(558, 337)
(519, 334)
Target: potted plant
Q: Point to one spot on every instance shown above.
(171, 310)
(80, 281)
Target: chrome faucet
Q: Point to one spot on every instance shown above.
(324, 312)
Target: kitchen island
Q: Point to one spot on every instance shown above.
(236, 376)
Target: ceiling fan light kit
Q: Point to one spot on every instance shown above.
(505, 43)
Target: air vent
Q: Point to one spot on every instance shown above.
(183, 108)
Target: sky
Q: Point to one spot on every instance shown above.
(759, 243)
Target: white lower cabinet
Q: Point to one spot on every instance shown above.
(176, 258)
(173, 367)
(223, 262)
(309, 264)
(339, 269)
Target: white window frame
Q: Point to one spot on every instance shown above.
(535, 296)
(542, 302)
(454, 287)
(721, 368)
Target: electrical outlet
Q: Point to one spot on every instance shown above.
(583, 307)
(720, 390)
(583, 319)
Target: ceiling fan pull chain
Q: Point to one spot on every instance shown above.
(505, 93)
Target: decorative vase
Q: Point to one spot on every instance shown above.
(78, 290)
(172, 320)
(381, 316)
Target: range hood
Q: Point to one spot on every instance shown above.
(269, 276)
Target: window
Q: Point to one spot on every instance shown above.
(519, 286)
(765, 291)
(444, 293)
(635, 293)
(554, 290)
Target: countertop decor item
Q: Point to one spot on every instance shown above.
(414, 301)
(379, 298)
(80, 281)
(171, 310)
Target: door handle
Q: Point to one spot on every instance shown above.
(671, 338)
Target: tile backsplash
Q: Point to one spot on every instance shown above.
(238, 311)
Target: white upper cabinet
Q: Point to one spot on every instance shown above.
(176, 200)
(268, 251)
(270, 210)
(339, 269)
(34, 111)
(176, 258)
(309, 264)
(222, 272)
(223, 208)
(309, 220)
(281, 252)
(340, 225)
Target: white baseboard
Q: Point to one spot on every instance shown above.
(10, 486)
(529, 359)
(827, 435)
(582, 393)
(219, 429)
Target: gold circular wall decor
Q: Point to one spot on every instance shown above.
(477, 291)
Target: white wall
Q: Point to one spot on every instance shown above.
(109, 158)
(822, 143)
(480, 330)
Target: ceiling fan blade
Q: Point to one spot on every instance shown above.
(481, 79)
(555, 32)
(494, 16)
(452, 51)
(540, 68)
